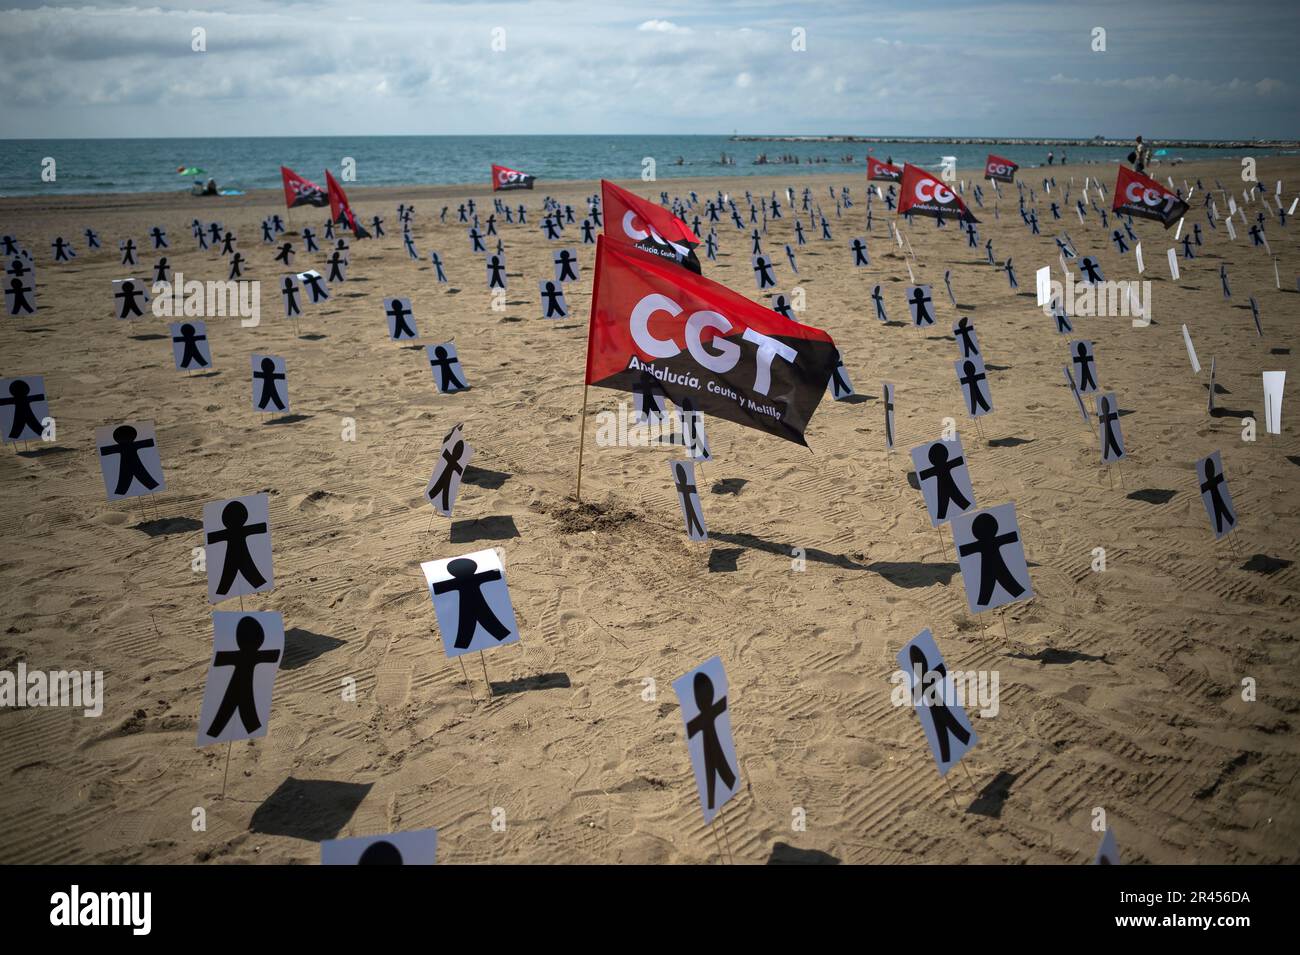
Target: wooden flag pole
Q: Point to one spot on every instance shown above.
(469, 686)
(226, 776)
(486, 680)
(969, 776)
(582, 438)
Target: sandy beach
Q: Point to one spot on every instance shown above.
(1119, 690)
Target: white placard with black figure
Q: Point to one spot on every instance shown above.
(991, 555)
(444, 363)
(944, 476)
(933, 692)
(24, 408)
(472, 602)
(566, 265)
(130, 297)
(551, 299)
(444, 484)
(237, 538)
(270, 384)
(129, 460)
(1213, 484)
(415, 847)
(316, 287)
(973, 380)
(688, 497)
(401, 319)
(887, 396)
(1085, 367)
(191, 350)
(706, 712)
(247, 650)
(840, 385)
(920, 305)
(1108, 429)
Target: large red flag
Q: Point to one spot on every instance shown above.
(651, 228)
(340, 210)
(999, 169)
(1141, 196)
(707, 347)
(503, 177)
(922, 193)
(301, 192)
(882, 170)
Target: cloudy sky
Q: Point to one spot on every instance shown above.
(919, 67)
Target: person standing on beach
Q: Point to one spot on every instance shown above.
(1050, 157)
(1141, 155)
(1062, 157)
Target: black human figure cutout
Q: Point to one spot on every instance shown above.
(92, 239)
(523, 215)
(840, 387)
(159, 238)
(17, 300)
(554, 301)
(826, 228)
(496, 272)
(943, 720)
(1110, 446)
(162, 272)
(317, 291)
(191, 354)
(704, 725)
(473, 610)
(408, 241)
(285, 254)
(436, 259)
(1223, 280)
(289, 289)
(758, 243)
(236, 266)
(22, 399)
(889, 416)
(965, 333)
(1083, 363)
(940, 470)
(270, 392)
(128, 297)
(336, 264)
(1056, 211)
(859, 253)
(1091, 273)
(461, 213)
(551, 227)
(203, 241)
(476, 240)
(1011, 274)
(267, 235)
(228, 243)
(920, 299)
(214, 231)
(1118, 238)
(443, 362)
(763, 271)
(798, 232)
(588, 232)
(18, 268)
(381, 852)
(130, 468)
(309, 237)
(1187, 248)
(686, 490)
(238, 558)
(454, 467)
(1063, 326)
(398, 312)
(988, 250)
(1033, 223)
(988, 545)
(971, 378)
(879, 301)
(240, 696)
(62, 250)
(565, 262)
(1256, 235)
(378, 225)
(1214, 481)
(782, 307)
(492, 224)
(277, 223)
(128, 252)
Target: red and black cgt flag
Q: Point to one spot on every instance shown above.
(1138, 195)
(924, 194)
(301, 192)
(340, 210)
(999, 169)
(709, 348)
(651, 228)
(503, 177)
(882, 171)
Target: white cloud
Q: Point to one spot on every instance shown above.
(662, 26)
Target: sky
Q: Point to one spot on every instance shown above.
(1202, 70)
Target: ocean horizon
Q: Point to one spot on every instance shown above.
(87, 166)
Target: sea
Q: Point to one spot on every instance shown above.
(243, 163)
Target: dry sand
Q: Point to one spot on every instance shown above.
(1119, 690)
